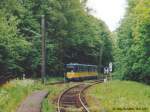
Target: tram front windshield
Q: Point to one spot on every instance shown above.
(72, 69)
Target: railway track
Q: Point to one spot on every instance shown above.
(73, 99)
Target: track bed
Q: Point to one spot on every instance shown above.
(72, 100)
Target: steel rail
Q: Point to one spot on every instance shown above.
(81, 92)
(62, 94)
(79, 96)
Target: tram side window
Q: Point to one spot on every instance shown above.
(81, 69)
(93, 69)
(85, 69)
(89, 69)
(70, 69)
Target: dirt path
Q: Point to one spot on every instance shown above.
(33, 102)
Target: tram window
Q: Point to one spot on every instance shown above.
(82, 68)
(69, 69)
(85, 68)
(75, 68)
(89, 69)
(94, 70)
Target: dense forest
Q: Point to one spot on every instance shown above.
(72, 35)
(132, 43)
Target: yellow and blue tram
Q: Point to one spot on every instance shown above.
(77, 72)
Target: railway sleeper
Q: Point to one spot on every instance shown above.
(73, 92)
(71, 96)
(69, 103)
(69, 100)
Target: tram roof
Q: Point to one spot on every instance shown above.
(76, 64)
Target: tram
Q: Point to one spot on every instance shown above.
(77, 72)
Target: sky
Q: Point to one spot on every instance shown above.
(110, 11)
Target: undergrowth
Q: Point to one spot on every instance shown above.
(116, 96)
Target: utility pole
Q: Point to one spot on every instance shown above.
(43, 48)
(100, 60)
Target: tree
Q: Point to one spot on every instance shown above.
(72, 34)
(133, 42)
(13, 48)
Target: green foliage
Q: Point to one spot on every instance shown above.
(132, 55)
(72, 35)
(13, 48)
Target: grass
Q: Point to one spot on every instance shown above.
(119, 96)
(47, 106)
(54, 79)
(50, 103)
(114, 96)
(14, 92)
